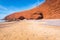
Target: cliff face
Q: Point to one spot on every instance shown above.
(50, 9)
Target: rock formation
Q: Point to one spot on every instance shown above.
(50, 9)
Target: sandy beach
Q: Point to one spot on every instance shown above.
(30, 30)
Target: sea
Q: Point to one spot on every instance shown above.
(2, 20)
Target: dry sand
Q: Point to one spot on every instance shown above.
(28, 30)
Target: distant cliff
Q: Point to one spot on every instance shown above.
(50, 9)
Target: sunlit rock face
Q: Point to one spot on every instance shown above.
(50, 9)
(30, 14)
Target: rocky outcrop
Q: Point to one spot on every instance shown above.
(29, 14)
(50, 9)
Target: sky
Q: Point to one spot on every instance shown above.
(10, 6)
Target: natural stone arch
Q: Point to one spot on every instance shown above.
(21, 18)
(41, 16)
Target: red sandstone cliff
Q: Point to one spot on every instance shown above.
(49, 10)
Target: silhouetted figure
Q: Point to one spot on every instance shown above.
(21, 18)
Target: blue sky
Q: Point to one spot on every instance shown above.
(10, 6)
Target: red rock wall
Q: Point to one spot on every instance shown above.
(50, 10)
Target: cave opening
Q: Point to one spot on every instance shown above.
(40, 16)
(21, 18)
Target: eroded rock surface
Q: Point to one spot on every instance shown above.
(50, 9)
